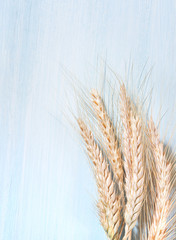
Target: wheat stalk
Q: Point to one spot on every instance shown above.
(158, 228)
(109, 205)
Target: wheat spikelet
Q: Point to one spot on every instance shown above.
(135, 191)
(102, 211)
(109, 205)
(91, 146)
(158, 228)
(105, 123)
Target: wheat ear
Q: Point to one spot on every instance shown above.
(111, 143)
(158, 228)
(109, 205)
(135, 191)
(125, 114)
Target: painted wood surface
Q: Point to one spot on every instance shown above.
(46, 186)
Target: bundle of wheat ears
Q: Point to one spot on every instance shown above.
(133, 171)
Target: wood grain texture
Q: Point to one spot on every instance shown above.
(46, 190)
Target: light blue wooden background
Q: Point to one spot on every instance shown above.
(46, 187)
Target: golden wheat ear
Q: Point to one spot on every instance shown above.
(110, 138)
(149, 194)
(158, 227)
(125, 114)
(108, 204)
(133, 152)
(135, 191)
